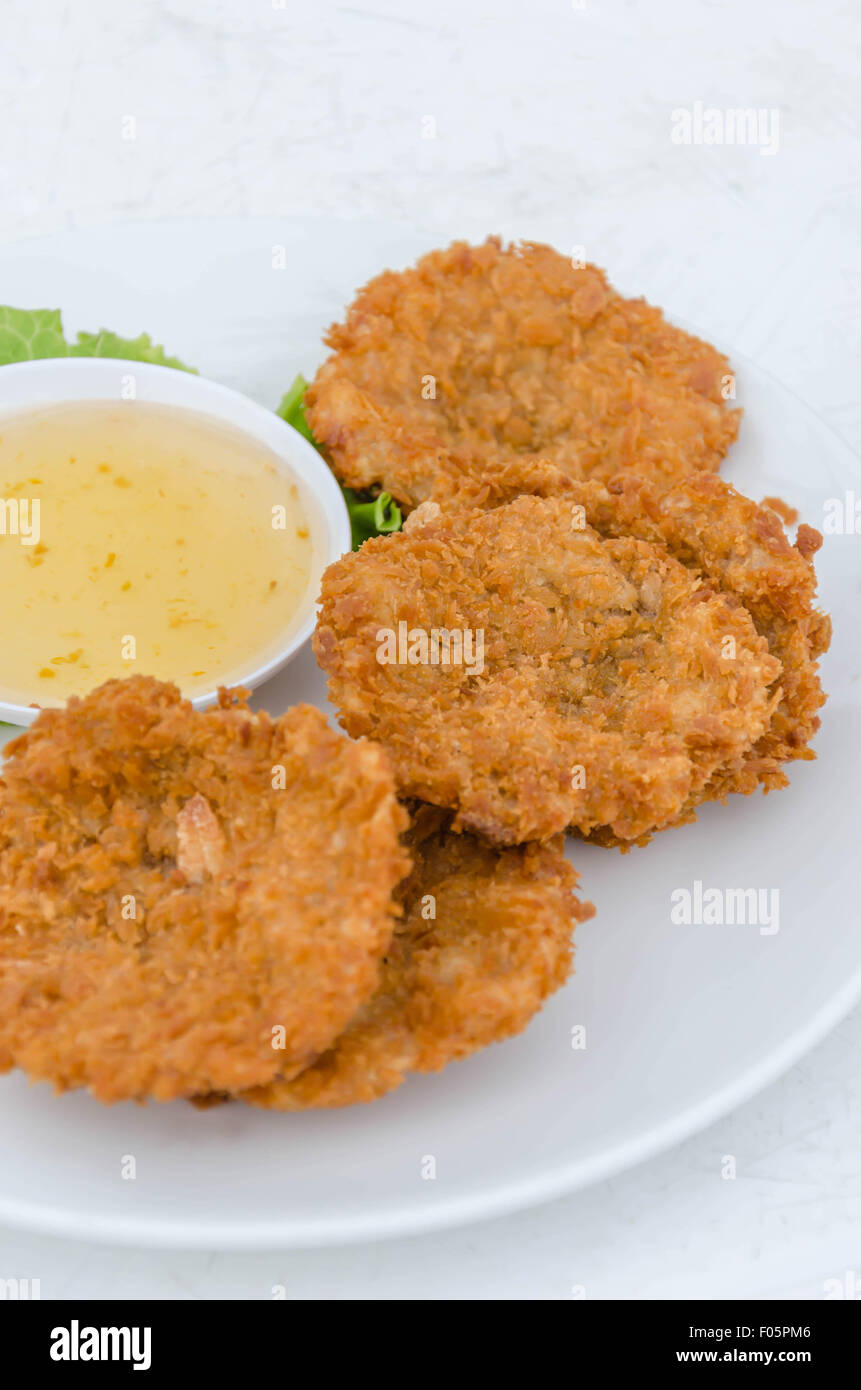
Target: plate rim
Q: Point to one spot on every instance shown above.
(447, 1214)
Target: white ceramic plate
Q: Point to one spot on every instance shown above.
(682, 1023)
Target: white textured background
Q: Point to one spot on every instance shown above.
(547, 113)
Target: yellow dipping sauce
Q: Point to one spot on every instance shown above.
(164, 543)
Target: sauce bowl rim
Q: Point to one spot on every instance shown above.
(186, 390)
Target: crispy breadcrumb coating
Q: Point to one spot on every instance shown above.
(483, 354)
(615, 683)
(730, 543)
(177, 886)
(473, 973)
(740, 548)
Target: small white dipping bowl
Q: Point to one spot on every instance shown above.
(55, 381)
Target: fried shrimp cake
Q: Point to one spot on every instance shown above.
(732, 544)
(483, 354)
(189, 902)
(532, 674)
(740, 548)
(484, 939)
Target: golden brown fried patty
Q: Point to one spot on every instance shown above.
(612, 685)
(485, 937)
(176, 887)
(740, 549)
(484, 354)
(735, 545)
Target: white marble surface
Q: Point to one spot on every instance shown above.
(548, 116)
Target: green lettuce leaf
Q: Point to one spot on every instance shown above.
(374, 517)
(369, 516)
(140, 349)
(292, 410)
(29, 333)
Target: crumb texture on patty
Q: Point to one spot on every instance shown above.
(484, 354)
(616, 680)
(175, 886)
(484, 939)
